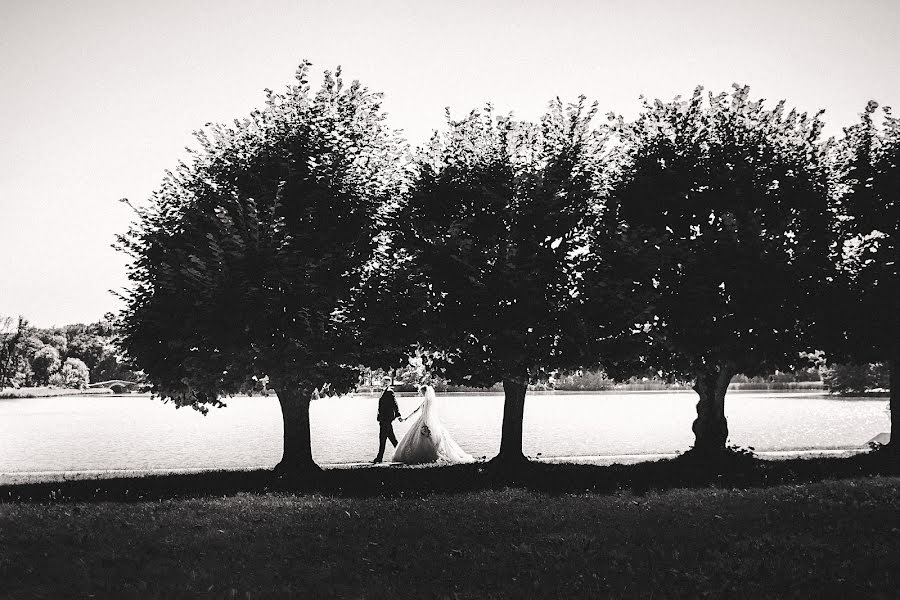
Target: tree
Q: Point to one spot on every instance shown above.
(483, 250)
(54, 339)
(90, 349)
(44, 364)
(96, 344)
(869, 196)
(74, 374)
(245, 259)
(712, 248)
(849, 378)
(10, 347)
(101, 355)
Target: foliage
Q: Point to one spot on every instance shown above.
(711, 252)
(52, 338)
(245, 258)
(93, 344)
(32, 344)
(442, 386)
(10, 341)
(50, 392)
(584, 381)
(484, 240)
(869, 194)
(851, 378)
(714, 240)
(91, 350)
(800, 375)
(868, 174)
(45, 363)
(74, 374)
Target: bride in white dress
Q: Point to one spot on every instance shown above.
(427, 439)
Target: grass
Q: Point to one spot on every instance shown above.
(735, 468)
(828, 539)
(738, 527)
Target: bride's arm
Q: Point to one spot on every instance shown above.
(412, 413)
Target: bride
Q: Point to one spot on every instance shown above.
(427, 439)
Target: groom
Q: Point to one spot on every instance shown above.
(387, 412)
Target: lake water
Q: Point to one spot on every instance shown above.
(133, 432)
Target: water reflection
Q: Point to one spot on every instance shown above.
(135, 432)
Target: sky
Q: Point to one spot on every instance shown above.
(99, 98)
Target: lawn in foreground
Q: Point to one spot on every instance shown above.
(833, 538)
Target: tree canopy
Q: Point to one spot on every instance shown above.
(245, 259)
(45, 363)
(713, 244)
(484, 243)
(868, 190)
(73, 374)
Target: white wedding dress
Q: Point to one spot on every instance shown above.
(427, 439)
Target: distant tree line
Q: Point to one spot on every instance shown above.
(838, 378)
(67, 357)
(711, 237)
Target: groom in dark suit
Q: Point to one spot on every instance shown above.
(387, 412)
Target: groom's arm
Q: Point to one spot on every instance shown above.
(380, 406)
(396, 409)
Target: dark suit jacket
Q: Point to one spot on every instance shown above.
(387, 407)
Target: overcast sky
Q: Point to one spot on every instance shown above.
(97, 99)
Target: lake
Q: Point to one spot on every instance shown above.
(136, 432)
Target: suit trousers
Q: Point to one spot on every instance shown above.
(386, 433)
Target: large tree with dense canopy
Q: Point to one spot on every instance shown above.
(483, 246)
(869, 195)
(245, 258)
(712, 247)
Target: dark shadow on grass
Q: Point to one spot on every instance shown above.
(729, 470)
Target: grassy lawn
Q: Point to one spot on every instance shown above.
(833, 538)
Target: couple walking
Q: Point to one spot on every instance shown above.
(427, 439)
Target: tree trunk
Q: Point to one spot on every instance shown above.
(711, 427)
(894, 404)
(297, 453)
(513, 413)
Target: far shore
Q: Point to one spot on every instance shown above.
(47, 392)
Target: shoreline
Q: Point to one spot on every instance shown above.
(14, 478)
(42, 392)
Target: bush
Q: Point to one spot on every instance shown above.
(588, 381)
(802, 375)
(446, 387)
(853, 378)
(74, 374)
